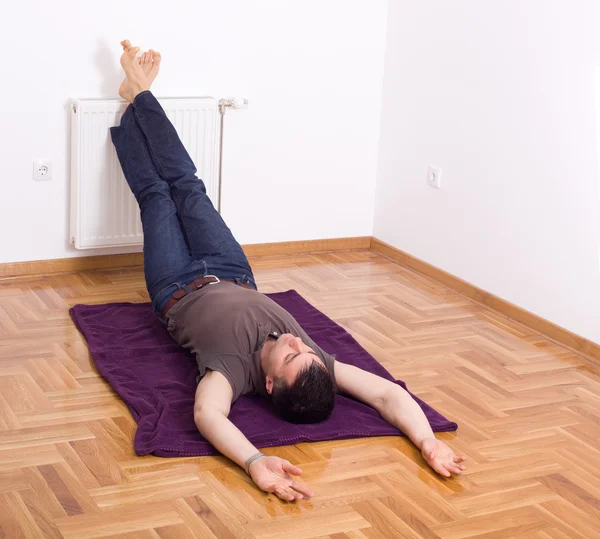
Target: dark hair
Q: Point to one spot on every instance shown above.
(309, 399)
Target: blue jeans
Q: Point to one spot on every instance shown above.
(184, 236)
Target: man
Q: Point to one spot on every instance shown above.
(202, 287)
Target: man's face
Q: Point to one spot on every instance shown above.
(288, 356)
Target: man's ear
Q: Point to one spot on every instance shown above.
(269, 384)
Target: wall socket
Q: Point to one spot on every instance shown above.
(434, 177)
(42, 170)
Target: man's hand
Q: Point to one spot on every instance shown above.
(441, 458)
(272, 474)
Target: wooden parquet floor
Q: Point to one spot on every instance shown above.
(528, 414)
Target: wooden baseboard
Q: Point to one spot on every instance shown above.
(69, 265)
(308, 246)
(85, 263)
(536, 323)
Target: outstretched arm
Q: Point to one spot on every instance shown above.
(399, 409)
(211, 410)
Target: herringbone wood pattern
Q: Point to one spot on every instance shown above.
(527, 412)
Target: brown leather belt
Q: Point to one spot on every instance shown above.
(196, 284)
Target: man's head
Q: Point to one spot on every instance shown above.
(298, 382)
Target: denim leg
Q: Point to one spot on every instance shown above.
(171, 159)
(166, 255)
(207, 235)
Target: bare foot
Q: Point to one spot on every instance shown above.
(135, 79)
(150, 63)
(129, 61)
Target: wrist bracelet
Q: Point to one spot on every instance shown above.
(254, 457)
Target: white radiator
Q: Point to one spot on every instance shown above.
(104, 213)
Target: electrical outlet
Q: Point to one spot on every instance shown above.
(42, 170)
(434, 177)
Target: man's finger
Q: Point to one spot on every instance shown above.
(290, 468)
(462, 458)
(291, 494)
(302, 489)
(440, 469)
(288, 494)
(281, 493)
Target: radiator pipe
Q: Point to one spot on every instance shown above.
(224, 104)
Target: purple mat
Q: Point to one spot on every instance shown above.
(157, 380)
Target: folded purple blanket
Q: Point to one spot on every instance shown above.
(157, 380)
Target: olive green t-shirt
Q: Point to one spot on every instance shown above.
(225, 327)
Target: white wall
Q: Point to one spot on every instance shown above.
(300, 163)
(501, 96)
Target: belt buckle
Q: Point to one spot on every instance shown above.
(213, 282)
